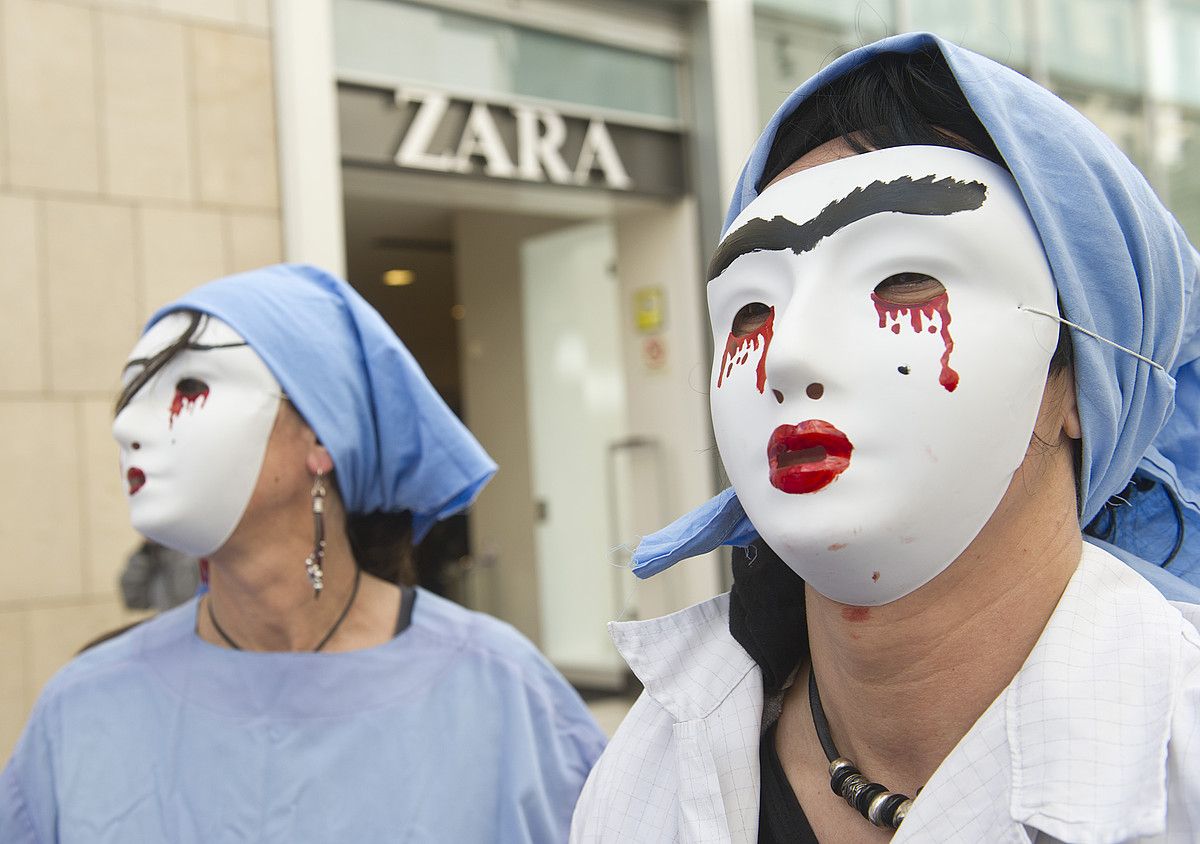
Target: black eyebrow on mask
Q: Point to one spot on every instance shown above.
(927, 196)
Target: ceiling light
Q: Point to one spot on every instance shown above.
(398, 278)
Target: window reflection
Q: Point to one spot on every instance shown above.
(1133, 68)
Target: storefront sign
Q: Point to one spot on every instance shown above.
(538, 155)
(419, 129)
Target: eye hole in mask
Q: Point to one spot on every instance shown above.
(750, 319)
(909, 289)
(191, 388)
(190, 395)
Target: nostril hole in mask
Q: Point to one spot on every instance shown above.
(814, 391)
(778, 396)
(135, 446)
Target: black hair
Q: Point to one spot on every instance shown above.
(895, 99)
(382, 545)
(152, 365)
(380, 542)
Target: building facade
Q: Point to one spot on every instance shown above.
(137, 158)
(526, 189)
(1131, 66)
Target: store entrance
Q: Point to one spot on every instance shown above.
(517, 302)
(576, 395)
(514, 318)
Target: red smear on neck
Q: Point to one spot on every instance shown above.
(856, 613)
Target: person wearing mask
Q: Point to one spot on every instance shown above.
(953, 327)
(274, 425)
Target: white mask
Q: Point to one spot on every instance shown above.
(194, 436)
(868, 442)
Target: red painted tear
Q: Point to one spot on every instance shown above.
(738, 349)
(889, 312)
(186, 400)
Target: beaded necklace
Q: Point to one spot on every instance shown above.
(885, 809)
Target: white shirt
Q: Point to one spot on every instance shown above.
(1096, 739)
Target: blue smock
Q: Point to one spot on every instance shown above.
(457, 730)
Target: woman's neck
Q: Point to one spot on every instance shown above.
(902, 683)
(263, 600)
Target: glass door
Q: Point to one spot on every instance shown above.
(577, 410)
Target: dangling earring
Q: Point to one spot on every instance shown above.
(312, 563)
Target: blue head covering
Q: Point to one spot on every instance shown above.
(1124, 270)
(394, 442)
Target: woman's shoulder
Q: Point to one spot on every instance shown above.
(698, 717)
(487, 643)
(125, 652)
(110, 682)
(632, 794)
(1189, 712)
(1126, 611)
(481, 634)
(504, 663)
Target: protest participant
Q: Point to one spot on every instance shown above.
(951, 323)
(274, 425)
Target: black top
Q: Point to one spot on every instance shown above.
(766, 617)
(766, 614)
(780, 818)
(408, 597)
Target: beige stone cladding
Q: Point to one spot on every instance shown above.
(137, 159)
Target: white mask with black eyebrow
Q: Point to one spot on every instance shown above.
(194, 436)
(874, 384)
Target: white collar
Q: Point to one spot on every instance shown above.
(1087, 718)
(687, 661)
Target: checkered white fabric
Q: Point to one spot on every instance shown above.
(1096, 739)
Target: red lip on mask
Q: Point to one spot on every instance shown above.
(136, 478)
(808, 456)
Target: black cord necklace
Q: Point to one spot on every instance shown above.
(324, 639)
(873, 801)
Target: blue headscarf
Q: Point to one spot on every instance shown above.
(394, 442)
(1124, 270)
